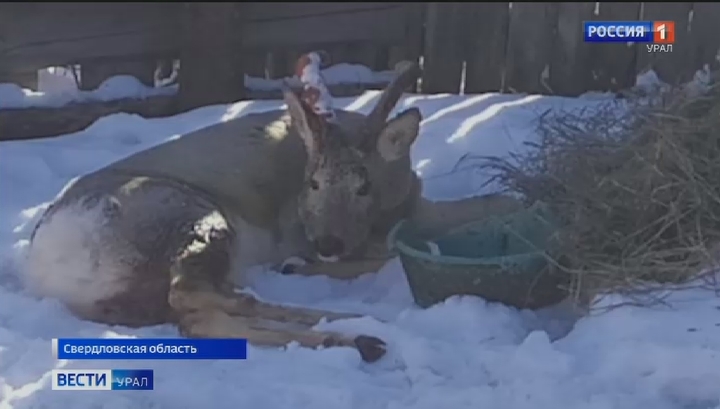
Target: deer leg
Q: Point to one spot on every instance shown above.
(373, 258)
(191, 293)
(274, 312)
(206, 307)
(218, 324)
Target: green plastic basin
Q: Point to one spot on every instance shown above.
(501, 259)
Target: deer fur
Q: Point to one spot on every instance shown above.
(165, 235)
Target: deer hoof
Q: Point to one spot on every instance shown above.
(371, 348)
(290, 265)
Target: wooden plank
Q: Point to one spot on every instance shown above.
(254, 63)
(94, 72)
(382, 57)
(211, 64)
(705, 34)
(570, 65)
(31, 123)
(486, 45)
(66, 33)
(614, 65)
(529, 50)
(37, 35)
(277, 64)
(386, 25)
(364, 53)
(413, 46)
(23, 79)
(336, 52)
(414, 42)
(672, 67)
(395, 55)
(443, 56)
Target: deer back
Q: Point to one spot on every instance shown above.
(251, 166)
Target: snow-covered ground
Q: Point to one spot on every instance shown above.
(57, 86)
(464, 353)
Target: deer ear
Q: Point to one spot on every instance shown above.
(308, 125)
(399, 134)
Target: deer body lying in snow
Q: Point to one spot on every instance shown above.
(164, 235)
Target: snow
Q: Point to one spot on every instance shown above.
(464, 353)
(56, 86)
(648, 83)
(57, 95)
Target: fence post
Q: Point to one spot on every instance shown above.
(412, 46)
(486, 44)
(705, 34)
(672, 67)
(211, 70)
(444, 46)
(614, 66)
(531, 34)
(571, 64)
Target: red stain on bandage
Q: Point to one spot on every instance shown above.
(315, 92)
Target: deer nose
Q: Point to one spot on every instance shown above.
(328, 246)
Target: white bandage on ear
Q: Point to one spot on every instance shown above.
(315, 92)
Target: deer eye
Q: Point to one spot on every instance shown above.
(364, 189)
(314, 185)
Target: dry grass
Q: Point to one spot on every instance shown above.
(638, 197)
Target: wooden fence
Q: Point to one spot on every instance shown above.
(495, 46)
(464, 47)
(271, 35)
(539, 47)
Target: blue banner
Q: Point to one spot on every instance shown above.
(149, 348)
(102, 380)
(132, 379)
(618, 31)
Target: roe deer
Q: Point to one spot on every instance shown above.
(164, 235)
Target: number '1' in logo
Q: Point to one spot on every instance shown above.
(664, 32)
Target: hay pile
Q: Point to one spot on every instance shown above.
(638, 196)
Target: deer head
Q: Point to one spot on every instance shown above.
(349, 186)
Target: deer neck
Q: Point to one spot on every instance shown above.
(406, 208)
